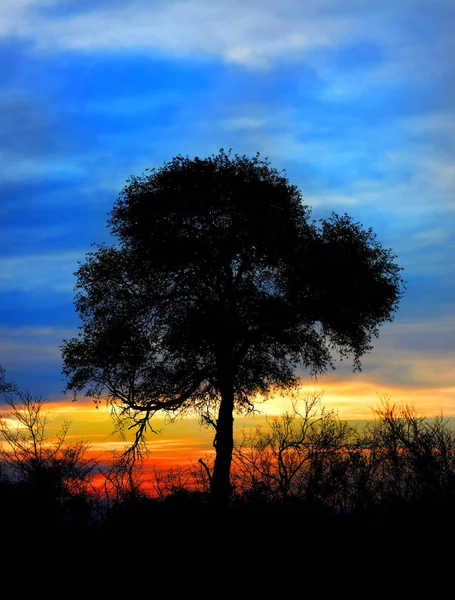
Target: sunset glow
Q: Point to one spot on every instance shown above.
(185, 441)
(354, 100)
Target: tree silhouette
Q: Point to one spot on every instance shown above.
(219, 287)
(298, 455)
(43, 470)
(6, 387)
(415, 455)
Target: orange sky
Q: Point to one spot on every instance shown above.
(184, 441)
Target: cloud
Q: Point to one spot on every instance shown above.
(24, 353)
(241, 32)
(45, 273)
(428, 253)
(36, 141)
(32, 356)
(16, 168)
(414, 352)
(375, 157)
(358, 397)
(399, 166)
(418, 353)
(37, 332)
(252, 33)
(333, 201)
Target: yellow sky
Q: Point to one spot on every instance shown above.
(184, 441)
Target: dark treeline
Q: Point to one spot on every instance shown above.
(307, 467)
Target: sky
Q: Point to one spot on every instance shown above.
(354, 99)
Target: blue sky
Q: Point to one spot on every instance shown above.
(355, 99)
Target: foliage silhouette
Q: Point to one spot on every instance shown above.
(6, 387)
(218, 289)
(51, 475)
(306, 474)
(414, 456)
(300, 455)
(397, 461)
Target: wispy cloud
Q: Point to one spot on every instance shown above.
(46, 272)
(250, 32)
(24, 354)
(32, 345)
(37, 332)
(419, 353)
(241, 32)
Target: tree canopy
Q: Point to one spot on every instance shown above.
(220, 287)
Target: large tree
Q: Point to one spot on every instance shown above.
(218, 289)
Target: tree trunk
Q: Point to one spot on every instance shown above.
(220, 487)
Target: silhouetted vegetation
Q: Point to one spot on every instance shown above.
(307, 471)
(42, 479)
(218, 288)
